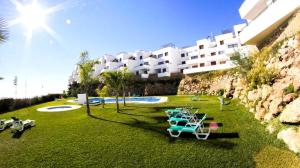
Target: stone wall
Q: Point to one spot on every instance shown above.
(276, 105)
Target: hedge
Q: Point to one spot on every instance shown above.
(10, 104)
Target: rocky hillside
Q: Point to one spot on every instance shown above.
(270, 89)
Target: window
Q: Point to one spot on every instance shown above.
(183, 55)
(202, 55)
(201, 47)
(213, 63)
(120, 59)
(145, 72)
(222, 42)
(167, 62)
(160, 63)
(221, 52)
(104, 61)
(202, 64)
(213, 53)
(183, 62)
(181, 70)
(222, 62)
(137, 73)
(158, 70)
(195, 66)
(160, 55)
(146, 63)
(194, 57)
(125, 65)
(232, 45)
(166, 53)
(141, 64)
(141, 57)
(164, 70)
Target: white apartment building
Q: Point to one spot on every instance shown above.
(208, 54)
(263, 17)
(214, 53)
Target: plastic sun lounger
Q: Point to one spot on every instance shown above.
(19, 125)
(5, 123)
(186, 119)
(197, 129)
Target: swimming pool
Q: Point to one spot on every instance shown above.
(58, 108)
(144, 100)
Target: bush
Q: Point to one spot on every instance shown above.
(261, 75)
(7, 105)
(289, 89)
(220, 92)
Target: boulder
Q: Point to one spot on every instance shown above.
(291, 113)
(289, 98)
(266, 90)
(291, 137)
(274, 107)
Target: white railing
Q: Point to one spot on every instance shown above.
(227, 65)
(164, 74)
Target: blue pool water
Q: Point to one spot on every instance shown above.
(59, 107)
(129, 99)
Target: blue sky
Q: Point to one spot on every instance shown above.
(100, 27)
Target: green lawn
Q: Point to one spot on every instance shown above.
(137, 137)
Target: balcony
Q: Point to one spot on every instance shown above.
(227, 65)
(164, 74)
(268, 21)
(251, 8)
(145, 75)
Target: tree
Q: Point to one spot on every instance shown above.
(85, 70)
(126, 76)
(102, 93)
(113, 80)
(244, 64)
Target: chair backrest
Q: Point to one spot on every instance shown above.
(1, 122)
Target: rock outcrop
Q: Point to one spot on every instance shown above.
(291, 137)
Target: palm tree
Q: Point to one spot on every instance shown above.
(3, 31)
(113, 79)
(85, 69)
(126, 75)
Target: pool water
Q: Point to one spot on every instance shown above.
(59, 107)
(129, 99)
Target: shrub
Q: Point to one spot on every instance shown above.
(289, 89)
(7, 105)
(220, 92)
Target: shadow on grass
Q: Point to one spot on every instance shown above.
(18, 134)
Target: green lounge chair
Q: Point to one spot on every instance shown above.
(173, 121)
(197, 129)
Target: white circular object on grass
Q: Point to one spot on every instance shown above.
(59, 108)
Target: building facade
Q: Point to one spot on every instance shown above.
(212, 53)
(263, 17)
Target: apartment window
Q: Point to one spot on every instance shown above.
(120, 59)
(187, 54)
(145, 72)
(222, 62)
(181, 70)
(137, 73)
(213, 53)
(164, 70)
(160, 63)
(222, 42)
(213, 63)
(202, 65)
(166, 53)
(183, 62)
(141, 64)
(183, 55)
(221, 52)
(201, 47)
(158, 70)
(141, 57)
(195, 66)
(146, 63)
(104, 61)
(202, 55)
(160, 55)
(194, 57)
(167, 62)
(125, 65)
(232, 45)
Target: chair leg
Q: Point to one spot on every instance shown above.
(174, 135)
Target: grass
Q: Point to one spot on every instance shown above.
(137, 137)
